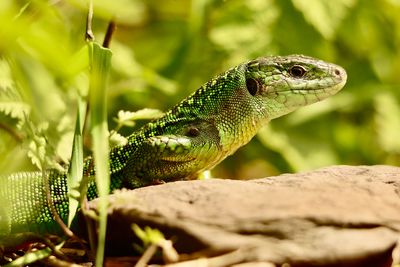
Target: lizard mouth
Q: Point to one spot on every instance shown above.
(321, 90)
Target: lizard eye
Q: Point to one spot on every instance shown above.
(297, 71)
(193, 132)
(252, 86)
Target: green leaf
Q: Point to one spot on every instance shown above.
(100, 62)
(387, 119)
(14, 109)
(37, 151)
(148, 235)
(75, 171)
(280, 142)
(34, 256)
(128, 118)
(324, 15)
(125, 11)
(11, 103)
(117, 140)
(30, 257)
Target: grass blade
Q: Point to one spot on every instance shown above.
(100, 59)
(75, 171)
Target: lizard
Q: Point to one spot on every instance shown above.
(212, 123)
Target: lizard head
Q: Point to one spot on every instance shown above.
(244, 98)
(280, 85)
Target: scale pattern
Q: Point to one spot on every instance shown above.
(198, 133)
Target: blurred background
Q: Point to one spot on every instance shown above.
(164, 50)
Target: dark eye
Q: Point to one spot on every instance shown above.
(252, 86)
(297, 71)
(193, 131)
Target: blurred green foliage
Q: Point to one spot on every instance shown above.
(164, 50)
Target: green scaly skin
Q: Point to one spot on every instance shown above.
(211, 124)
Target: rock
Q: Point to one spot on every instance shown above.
(335, 216)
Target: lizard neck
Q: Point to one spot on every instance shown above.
(246, 117)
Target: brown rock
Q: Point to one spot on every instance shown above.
(335, 216)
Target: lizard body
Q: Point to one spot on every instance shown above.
(198, 133)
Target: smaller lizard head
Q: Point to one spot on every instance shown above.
(283, 84)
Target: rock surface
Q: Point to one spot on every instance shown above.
(335, 216)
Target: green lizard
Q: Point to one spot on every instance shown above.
(198, 133)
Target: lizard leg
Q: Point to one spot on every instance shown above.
(168, 158)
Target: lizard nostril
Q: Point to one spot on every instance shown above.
(337, 72)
